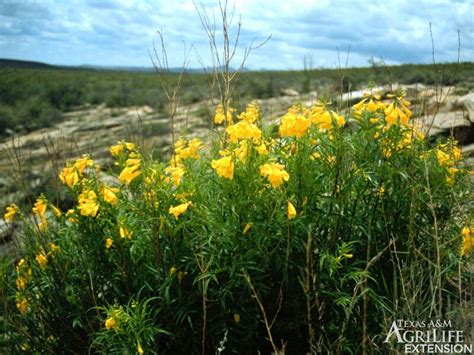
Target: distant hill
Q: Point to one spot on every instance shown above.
(14, 63)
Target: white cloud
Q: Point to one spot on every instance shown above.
(122, 32)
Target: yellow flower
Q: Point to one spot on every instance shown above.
(242, 151)
(443, 158)
(251, 113)
(129, 146)
(261, 149)
(243, 130)
(194, 145)
(10, 212)
(82, 163)
(57, 212)
(108, 243)
(184, 150)
(340, 120)
(456, 153)
(179, 210)
(176, 173)
(291, 211)
(22, 304)
(451, 176)
(294, 123)
(41, 259)
(139, 349)
(88, 205)
(125, 233)
(275, 173)
(70, 214)
(111, 323)
(322, 119)
(173, 270)
(43, 225)
(21, 264)
(325, 119)
(237, 318)
(55, 249)
(116, 149)
(39, 208)
(21, 283)
(247, 228)
(219, 116)
(467, 240)
(69, 176)
(109, 194)
(184, 196)
(372, 106)
(380, 191)
(397, 113)
(224, 167)
(129, 173)
(331, 160)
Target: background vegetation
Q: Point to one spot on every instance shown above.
(32, 98)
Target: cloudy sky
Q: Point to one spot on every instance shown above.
(122, 32)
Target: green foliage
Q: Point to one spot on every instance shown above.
(205, 251)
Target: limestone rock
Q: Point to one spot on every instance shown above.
(290, 92)
(466, 103)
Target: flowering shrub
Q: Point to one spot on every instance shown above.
(303, 237)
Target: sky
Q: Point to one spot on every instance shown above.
(320, 33)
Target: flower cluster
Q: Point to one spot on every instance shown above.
(252, 113)
(39, 211)
(122, 147)
(73, 172)
(131, 170)
(243, 130)
(297, 121)
(275, 173)
(395, 112)
(224, 167)
(448, 156)
(87, 203)
(10, 212)
(24, 276)
(187, 149)
(220, 117)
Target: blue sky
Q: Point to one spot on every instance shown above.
(122, 33)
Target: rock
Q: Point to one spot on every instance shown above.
(413, 90)
(466, 103)
(7, 231)
(445, 120)
(438, 100)
(290, 92)
(109, 179)
(310, 98)
(359, 94)
(468, 150)
(447, 123)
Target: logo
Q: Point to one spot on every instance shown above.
(428, 337)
